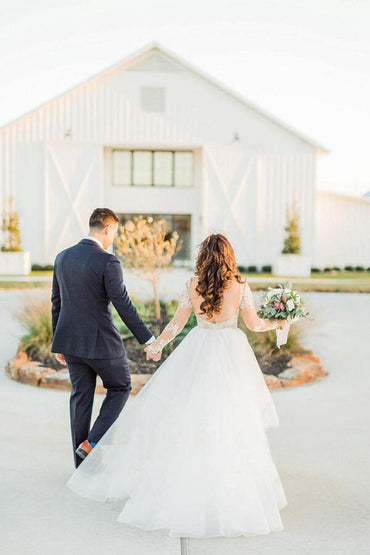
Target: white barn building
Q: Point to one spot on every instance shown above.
(154, 135)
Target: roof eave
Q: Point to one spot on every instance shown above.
(155, 45)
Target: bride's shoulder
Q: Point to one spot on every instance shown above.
(241, 283)
(192, 280)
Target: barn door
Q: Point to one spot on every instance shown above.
(229, 200)
(72, 191)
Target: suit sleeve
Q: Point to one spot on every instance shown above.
(55, 301)
(117, 293)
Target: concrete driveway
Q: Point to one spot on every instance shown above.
(321, 449)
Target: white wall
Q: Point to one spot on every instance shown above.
(342, 230)
(106, 113)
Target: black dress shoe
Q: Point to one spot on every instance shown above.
(84, 449)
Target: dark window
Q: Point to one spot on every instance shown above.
(175, 222)
(158, 168)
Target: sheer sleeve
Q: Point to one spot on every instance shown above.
(176, 324)
(249, 313)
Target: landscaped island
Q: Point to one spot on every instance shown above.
(36, 365)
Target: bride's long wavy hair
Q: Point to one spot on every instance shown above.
(215, 268)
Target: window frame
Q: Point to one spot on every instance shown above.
(152, 151)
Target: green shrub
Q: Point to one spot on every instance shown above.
(348, 268)
(35, 319)
(313, 270)
(359, 268)
(39, 268)
(252, 268)
(292, 240)
(267, 268)
(265, 342)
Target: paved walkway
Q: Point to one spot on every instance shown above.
(321, 449)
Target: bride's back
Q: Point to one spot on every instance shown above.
(230, 302)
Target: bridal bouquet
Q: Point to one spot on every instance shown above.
(284, 303)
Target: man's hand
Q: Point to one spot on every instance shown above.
(60, 358)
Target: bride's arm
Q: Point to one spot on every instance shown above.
(249, 314)
(176, 324)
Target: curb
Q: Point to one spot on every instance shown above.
(302, 369)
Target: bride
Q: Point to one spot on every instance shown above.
(189, 453)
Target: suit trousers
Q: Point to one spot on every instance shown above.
(115, 375)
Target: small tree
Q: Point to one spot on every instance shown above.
(292, 241)
(147, 246)
(11, 236)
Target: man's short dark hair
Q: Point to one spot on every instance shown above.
(102, 217)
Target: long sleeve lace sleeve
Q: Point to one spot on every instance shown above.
(249, 313)
(176, 324)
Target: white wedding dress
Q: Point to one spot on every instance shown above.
(189, 454)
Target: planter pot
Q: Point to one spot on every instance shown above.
(15, 263)
(292, 265)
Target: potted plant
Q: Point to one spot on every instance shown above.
(291, 262)
(12, 259)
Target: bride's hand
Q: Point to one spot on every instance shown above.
(152, 356)
(281, 324)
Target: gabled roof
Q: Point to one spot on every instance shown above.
(155, 46)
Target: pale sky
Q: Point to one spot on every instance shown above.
(305, 61)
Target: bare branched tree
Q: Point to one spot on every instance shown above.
(146, 245)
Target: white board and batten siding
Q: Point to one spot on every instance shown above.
(342, 230)
(56, 162)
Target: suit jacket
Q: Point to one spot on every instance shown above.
(86, 278)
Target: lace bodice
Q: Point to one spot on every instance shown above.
(246, 308)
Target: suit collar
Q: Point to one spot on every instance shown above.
(90, 242)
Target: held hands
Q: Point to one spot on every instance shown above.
(152, 356)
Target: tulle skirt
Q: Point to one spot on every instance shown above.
(189, 454)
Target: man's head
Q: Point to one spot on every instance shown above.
(103, 224)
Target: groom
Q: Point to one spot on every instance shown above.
(86, 278)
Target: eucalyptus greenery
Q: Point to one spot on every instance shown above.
(282, 302)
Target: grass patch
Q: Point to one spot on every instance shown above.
(20, 285)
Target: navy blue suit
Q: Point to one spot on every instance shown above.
(86, 279)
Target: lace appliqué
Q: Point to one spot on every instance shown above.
(265, 325)
(231, 322)
(247, 300)
(170, 331)
(249, 313)
(176, 324)
(184, 301)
